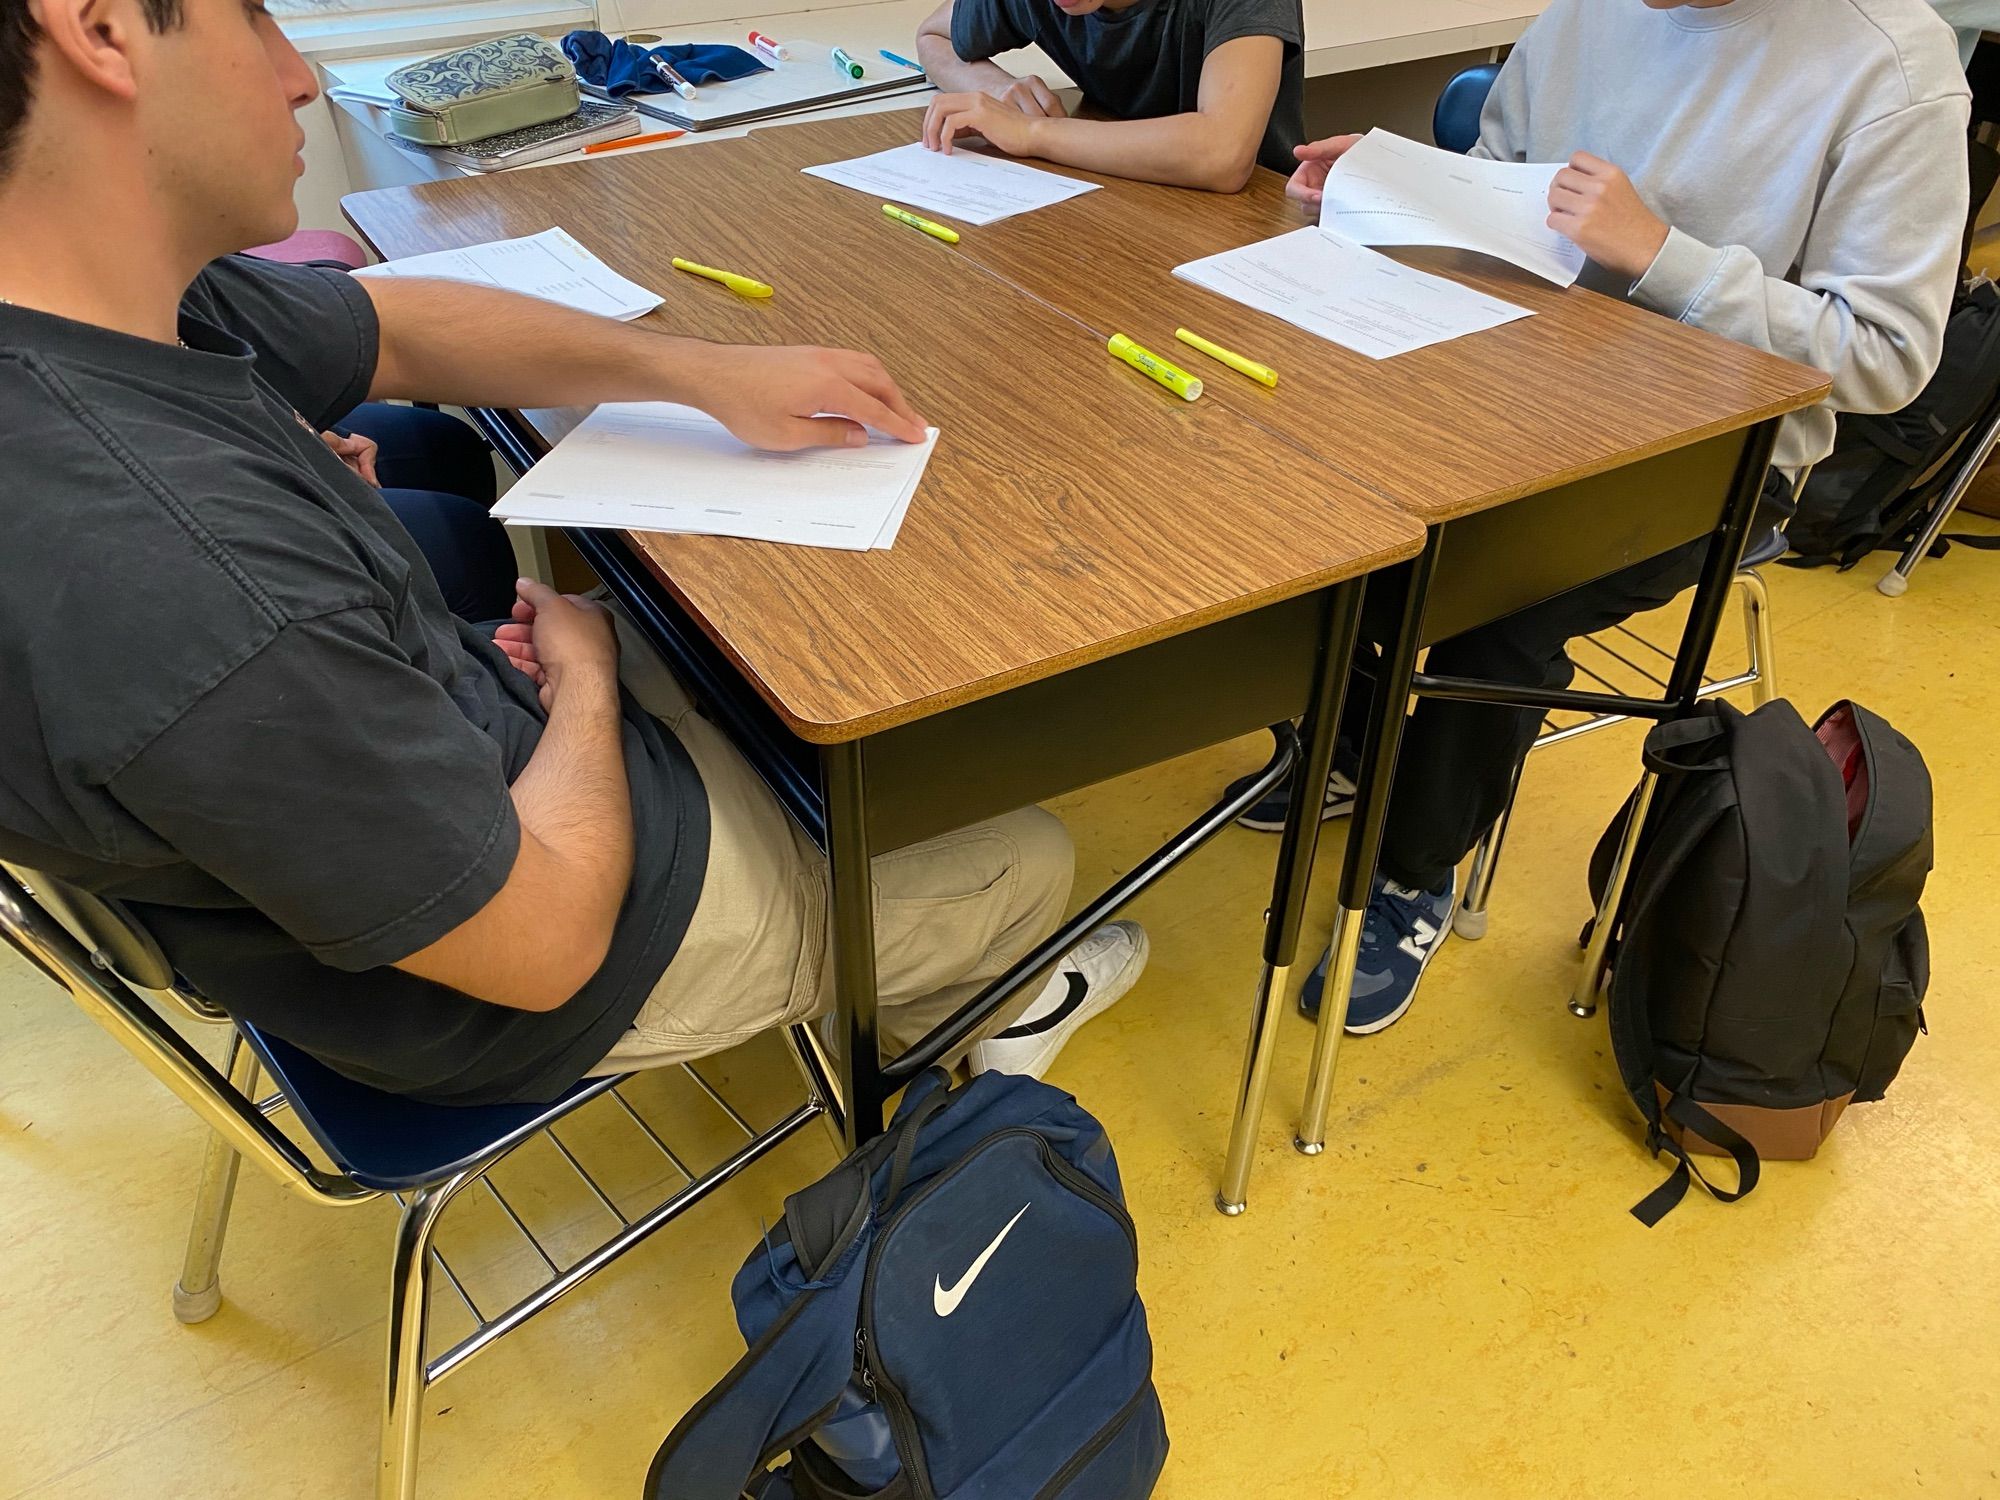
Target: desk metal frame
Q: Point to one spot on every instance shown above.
(1285, 662)
(1266, 669)
(1469, 573)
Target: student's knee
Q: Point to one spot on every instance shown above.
(1044, 865)
(468, 551)
(1506, 651)
(421, 449)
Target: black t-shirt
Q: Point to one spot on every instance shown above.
(1145, 61)
(231, 695)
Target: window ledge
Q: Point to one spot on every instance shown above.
(365, 33)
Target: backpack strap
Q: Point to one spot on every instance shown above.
(1689, 1115)
(824, 1217)
(912, 1120)
(789, 1381)
(1698, 744)
(786, 1384)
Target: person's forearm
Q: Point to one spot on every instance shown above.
(546, 931)
(461, 345)
(574, 800)
(1871, 300)
(951, 73)
(1189, 150)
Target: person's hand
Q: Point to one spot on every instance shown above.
(356, 451)
(1595, 204)
(788, 398)
(558, 638)
(1030, 96)
(1004, 126)
(1308, 181)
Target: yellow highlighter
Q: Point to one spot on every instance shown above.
(743, 286)
(1262, 374)
(935, 231)
(1186, 386)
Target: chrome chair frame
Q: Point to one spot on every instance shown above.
(1977, 448)
(117, 976)
(1759, 675)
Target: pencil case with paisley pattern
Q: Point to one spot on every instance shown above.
(486, 89)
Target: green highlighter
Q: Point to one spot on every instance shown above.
(842, 63)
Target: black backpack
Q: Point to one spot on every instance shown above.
(1771, 960)
(1886, 472)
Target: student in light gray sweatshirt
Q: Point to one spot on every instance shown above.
(1787, 173)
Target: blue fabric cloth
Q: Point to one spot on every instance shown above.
(619, 68)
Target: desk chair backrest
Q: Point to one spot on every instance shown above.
(115, 972)
(116, 942)
(1455, 120)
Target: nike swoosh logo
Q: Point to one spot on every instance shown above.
(946, 1299)
(1078, 989)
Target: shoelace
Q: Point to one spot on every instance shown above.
(1400, 914)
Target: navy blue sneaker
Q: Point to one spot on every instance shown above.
(1400, 935)
(1268, 816)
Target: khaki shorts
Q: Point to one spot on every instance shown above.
(951, 913)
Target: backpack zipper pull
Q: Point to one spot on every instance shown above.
(861, 1372)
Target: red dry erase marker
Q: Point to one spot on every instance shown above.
(769, 47)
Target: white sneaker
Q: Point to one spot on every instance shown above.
(1087, 982)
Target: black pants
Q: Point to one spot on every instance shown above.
(437, 475)
(1458, 759)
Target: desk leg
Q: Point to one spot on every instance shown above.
(1387, 709)
(1340, 629)
(1711, 598)
(851, 931)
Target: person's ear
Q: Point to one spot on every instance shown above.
(94, 38)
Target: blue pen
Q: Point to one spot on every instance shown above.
(901, 62)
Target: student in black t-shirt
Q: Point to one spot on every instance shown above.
(466, 864)
(1201, 91)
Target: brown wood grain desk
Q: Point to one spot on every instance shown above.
(1093, 576)
(1538, 455)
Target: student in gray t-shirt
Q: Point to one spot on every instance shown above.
(1200, 91)
(452, 862)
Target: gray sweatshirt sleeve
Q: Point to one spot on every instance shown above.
(1875, 278)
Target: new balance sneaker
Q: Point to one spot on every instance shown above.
(1086, 983)
(1268, 816)
(1400, 935)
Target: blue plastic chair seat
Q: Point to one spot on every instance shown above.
(393, 1144)
(1767, 548)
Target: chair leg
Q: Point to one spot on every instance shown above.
(1583, 1002)
(1757, 633)
(409, 1321)
(1469, 921)
(198, 1293)
(1897, 579)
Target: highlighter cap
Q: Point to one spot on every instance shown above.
(1180, 382)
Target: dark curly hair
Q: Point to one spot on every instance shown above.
(18, 34)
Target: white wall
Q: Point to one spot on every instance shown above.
(1398, 97)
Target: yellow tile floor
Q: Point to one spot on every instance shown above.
(1452, 1302)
